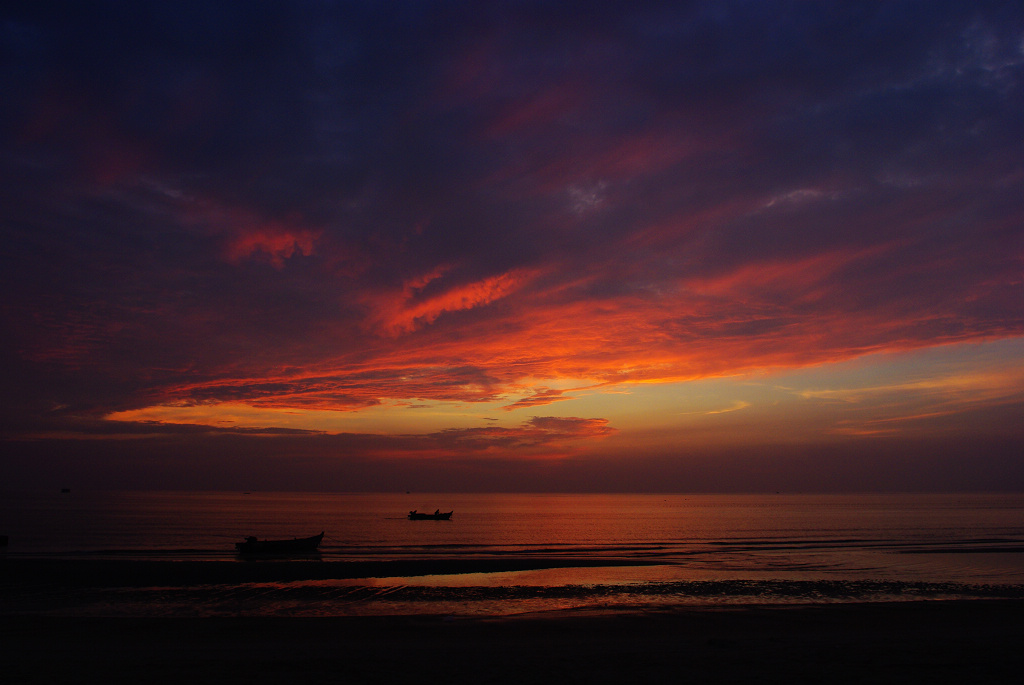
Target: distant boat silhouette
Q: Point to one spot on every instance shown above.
(251, 545)
(436, 516)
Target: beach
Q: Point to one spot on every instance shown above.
(168, 622)
(867, 589)
(902, 642)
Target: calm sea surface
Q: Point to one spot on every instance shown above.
(659, 549)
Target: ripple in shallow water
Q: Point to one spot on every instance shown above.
(330, 599)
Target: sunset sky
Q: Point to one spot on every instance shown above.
(520, 246)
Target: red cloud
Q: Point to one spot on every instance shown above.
(248, 234)
(537, 111)
(411, 308)
(272, 241)
(544, 437)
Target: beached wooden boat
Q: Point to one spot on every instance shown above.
(296, 545)
(436, 516)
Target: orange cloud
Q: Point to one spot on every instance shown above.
(540, 437)
(408, 350)
(540, 397)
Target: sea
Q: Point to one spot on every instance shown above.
(502, 554)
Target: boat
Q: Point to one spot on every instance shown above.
(436, 516)
(251, 545)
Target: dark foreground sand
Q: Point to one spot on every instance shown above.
(906, 642)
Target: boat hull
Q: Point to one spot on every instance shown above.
(293, 546)
(416, 516)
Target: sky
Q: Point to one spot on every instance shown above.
(512, 246)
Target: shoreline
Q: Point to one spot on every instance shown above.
(733, 631)
(137, 573)
(455, 588)
(906, 642)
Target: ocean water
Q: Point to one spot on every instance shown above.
(592, 551)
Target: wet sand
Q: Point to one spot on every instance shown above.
(43, 640)
(133, 573)
(904, 642)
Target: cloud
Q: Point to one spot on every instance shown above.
(538, 437)
(943, 402)
(541, 436)
(735, 406)
(274, 243)
(540, 397)
(479, 208)
(419, 305)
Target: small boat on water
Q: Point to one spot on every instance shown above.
(436, 516)
(251, 545)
